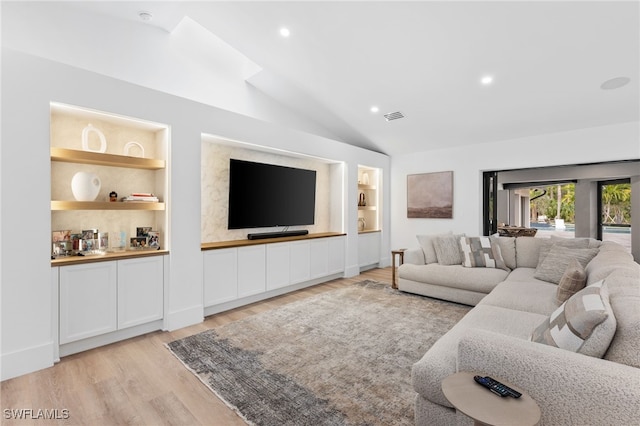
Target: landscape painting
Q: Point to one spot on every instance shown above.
(430, 195)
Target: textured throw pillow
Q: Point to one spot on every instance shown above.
(572, 324)
(573, 280)
(426, 242)
(448, 249)
(555, 263)
(481, 252)
(572, 243)
(576, 243)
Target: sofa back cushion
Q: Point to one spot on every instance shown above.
(508, 249)
(528, 250)
(607, 261)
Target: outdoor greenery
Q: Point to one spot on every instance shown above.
(616, 203)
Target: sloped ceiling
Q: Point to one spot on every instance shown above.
(425, 59)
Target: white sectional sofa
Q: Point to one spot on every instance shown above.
(593, 381)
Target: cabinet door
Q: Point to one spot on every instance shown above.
(140, 290)
(319, 258)
(368, 248)
(87, 300)
(220, 276)
(299, 261)
(277, 265)
(336, 255)
(251, 270)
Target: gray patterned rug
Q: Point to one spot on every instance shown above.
(343, 357)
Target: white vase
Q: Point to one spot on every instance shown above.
(85, 139)
(85, 186)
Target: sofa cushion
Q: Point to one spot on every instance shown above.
(575, 323)
(573, 280)
(606, 262)
(448, 249)
(426, 243)
(481, 280)
(533, 296)
(555, 263)
(507, 248)
(528, 250)
(481, 252)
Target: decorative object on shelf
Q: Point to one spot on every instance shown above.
(365, 178)
(113, 196)
(85, 139)
(131, 144)
(141, 196)
(361, 224)
(430, 195)
(362, 201)
(154, 239)
(85, 186)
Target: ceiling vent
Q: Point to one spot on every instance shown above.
(393, 116)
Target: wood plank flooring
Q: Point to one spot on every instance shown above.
(137, 381)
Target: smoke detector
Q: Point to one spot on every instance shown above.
(145, 15)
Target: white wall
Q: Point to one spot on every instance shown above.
(597, 144)
(29, 84)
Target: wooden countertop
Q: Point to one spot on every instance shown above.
(118, 255)
(242, 243)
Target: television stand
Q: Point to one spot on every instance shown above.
(263, 235)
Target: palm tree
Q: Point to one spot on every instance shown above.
(615, 201)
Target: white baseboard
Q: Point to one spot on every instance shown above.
(26, 361)
(184, 318)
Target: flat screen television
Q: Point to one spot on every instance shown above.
(266, 195)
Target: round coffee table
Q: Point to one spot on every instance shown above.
(485, 407)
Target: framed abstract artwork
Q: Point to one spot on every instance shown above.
(430, 195)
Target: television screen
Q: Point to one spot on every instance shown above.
(264, 195)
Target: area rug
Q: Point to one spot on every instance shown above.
(342, 357)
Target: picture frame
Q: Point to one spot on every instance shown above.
(430, 195)
(143, 231)
(138, 242)
(154, 239)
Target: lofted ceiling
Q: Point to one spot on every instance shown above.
(425, 59)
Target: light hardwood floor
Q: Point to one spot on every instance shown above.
(137, 381)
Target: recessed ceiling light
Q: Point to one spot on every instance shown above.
(284, 32)
(374, 109)
(145, 16)
(615, 83)
(486, 80)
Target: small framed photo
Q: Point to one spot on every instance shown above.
(60, 236)
(154, 239)
(89, 234)
(103, 241)
(143, 231)
(138, 242)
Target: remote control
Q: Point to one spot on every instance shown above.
(497, 387)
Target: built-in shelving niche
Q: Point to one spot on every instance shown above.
(369, 198)
(216, 152)
(135, 160)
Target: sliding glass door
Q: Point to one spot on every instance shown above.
(614, 207)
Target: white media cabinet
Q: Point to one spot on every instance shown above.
(240, 272)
